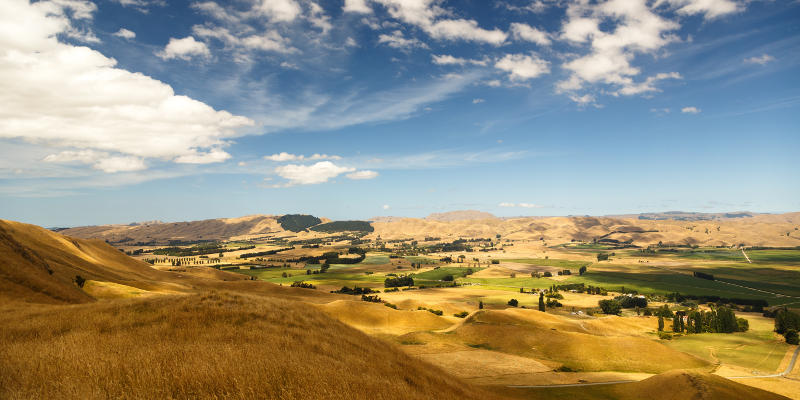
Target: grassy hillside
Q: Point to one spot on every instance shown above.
(216, 344)
(42, 266)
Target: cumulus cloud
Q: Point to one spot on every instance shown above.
(266, 41)
(633, 28)
(522, 67)
(284, 156)
(690, 110)
(185, 49)
(520, 205)
(709, 8)
(316, 173)
(398, 40)
(478, 101)
(760, 60)
(125, 34)
(71, 97)
(365, 174)
(528, 33)
(445, 59)
(120, 164)
(356, 6)
(278, 10)
(432, 19)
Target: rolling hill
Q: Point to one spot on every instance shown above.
(778, 230)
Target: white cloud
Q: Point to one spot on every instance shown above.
(647, 85)
(584, 100)
(288, 65)
(446, 59)
(284, 156)
(426, 14)
(60, 96)
(522, 67)
(365, 174)
(530, 34)
(630, 27)
(398, 41)
(125, 34)
(185, 49)
(311, 174)
(478, 101)
(141, 5)
(760, 60)
(356, 6)
(690, 110)
(194, 157)
(120, 164)
(279, 10)
(242, 44)
(386, 207)
(521, 205)
(710, 8)
(83, 156)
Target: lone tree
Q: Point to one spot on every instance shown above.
(541, 301)
(660, 323)
(582, 270)
(480, 305)
(513, 302)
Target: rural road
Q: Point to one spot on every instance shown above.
(785, 372)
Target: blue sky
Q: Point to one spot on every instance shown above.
(131, 110)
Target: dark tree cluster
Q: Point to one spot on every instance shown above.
(354, 291)
(344, 226)
(398, 281)
(298, 222)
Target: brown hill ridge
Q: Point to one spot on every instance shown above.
(779, 230)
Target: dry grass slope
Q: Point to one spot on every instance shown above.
(212, 345)
(40, 266)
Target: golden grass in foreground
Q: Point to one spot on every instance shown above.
(208, 345)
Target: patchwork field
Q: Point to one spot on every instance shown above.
(496, 316)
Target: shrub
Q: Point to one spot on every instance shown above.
(303, 285)
(436, 312)
(792, 337)
(602, 256)
(547, 274)
(80, 281)
(610, 306)
(390, 305)
(513, 302)
(371, 299)
(448, 278)
(462, 314)
(742, 325)
(495, 261)
(553, 303)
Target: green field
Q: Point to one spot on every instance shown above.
(439, 273)
(757, 349)
(566, 264)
